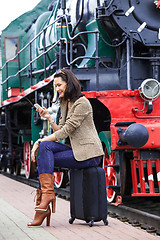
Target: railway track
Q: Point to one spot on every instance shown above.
(141, 213)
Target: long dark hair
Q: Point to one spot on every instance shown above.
(73, 88)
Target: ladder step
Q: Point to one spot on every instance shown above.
(116, 167)
(114, 187)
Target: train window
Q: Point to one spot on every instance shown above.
(11, 48)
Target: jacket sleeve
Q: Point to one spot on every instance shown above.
(60, 122)
(80, 111)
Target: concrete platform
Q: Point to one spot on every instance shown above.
(17, 208)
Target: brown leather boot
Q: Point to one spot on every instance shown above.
(48, 195)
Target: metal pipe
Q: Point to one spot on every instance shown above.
(63, 5)
(60, 46)
(71, 54)
(128, 65)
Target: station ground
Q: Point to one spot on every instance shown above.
(17, 208)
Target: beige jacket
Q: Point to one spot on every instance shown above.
(79, 126)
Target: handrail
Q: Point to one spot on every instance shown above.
(11, 76)
(47, 49)
(31, 41)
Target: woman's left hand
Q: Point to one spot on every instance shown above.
(44, 113)
(34, 151)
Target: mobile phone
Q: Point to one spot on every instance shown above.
(37, 106)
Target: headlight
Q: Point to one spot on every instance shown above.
(149, 89)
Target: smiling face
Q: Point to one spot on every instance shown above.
(60, 86)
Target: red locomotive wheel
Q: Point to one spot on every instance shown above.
(61, 179)
(111, 178)
(58, 179)
(29, 166)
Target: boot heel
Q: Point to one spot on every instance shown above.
(48, 220)
(53, 206)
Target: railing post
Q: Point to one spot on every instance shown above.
(30, 53)
(19, 76)
(97, 63)
(44, 49)
(7, 77)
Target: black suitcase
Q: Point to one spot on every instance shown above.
(88, 197)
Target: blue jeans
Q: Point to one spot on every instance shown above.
(55, 154)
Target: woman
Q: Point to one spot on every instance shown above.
(85, 150)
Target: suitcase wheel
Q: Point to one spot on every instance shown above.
(71, 220)
(105, 221)
(91, 223)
